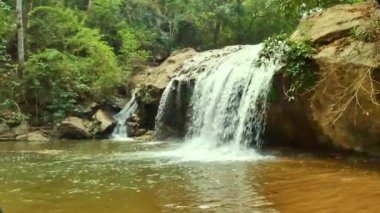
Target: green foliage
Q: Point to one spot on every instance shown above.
(296, 56)
(368, 32)
(53, 81)
(10, 113)
(131, 47)
(100, 63)
(6, 25)
(52, 27)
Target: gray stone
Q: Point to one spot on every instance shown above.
(105, 120)
(21, 129)
(73, 128)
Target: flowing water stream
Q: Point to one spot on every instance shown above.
(141, 177)
(121, 130)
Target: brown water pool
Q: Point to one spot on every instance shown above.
(105, 176)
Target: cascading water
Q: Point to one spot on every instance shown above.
(229, 101)
(121, 130)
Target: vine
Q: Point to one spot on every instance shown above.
(296, 58)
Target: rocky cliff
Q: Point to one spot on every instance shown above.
(344, 106)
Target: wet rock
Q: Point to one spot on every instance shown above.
(106, 121)
(74, 128)
(148, 136)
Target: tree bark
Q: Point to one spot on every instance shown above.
(217, 28)
(20, 39)
(89, 5)
(27, 9)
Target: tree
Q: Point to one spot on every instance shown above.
(20, 39)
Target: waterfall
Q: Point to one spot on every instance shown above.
(121, 130)
(229, 100)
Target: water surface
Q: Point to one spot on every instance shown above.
(104, 176)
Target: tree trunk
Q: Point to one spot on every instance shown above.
(218, 26)
(20, 39)
(27, 9)
(89, 5)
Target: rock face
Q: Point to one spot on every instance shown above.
(159, 77)
(346, 101)
(334, 23)
(345, 105)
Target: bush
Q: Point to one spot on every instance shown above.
(52, 80)
(296, 56)
(51, 27)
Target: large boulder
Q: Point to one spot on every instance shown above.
(334, 23)
(74, 128)
(106, 121)
(159, 77)
(345, 103)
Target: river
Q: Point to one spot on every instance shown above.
(106, 176)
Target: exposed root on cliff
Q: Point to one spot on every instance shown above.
(351, 95)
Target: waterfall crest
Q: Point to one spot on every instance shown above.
(229, 99)
(120, 131)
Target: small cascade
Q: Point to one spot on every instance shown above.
(121, 130)
(229, 98)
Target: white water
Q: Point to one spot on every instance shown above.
(120, 132)
(228, 105)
